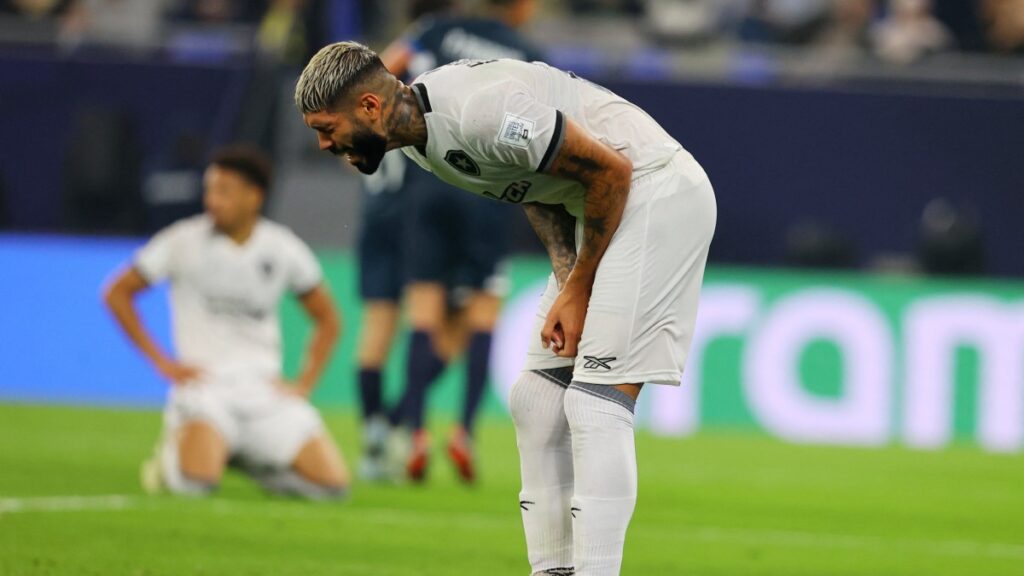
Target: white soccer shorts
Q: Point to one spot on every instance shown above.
(261, 425)
(643, 307)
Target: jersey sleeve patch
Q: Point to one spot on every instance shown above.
(516, 131)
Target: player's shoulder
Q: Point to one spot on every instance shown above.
(275, 230)
(464, 80)
(279, 235)
(192, 227)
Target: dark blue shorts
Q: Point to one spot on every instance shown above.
(382, 267)
(455, 238)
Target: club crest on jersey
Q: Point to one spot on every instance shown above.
(462, 162)
(516, 131)
(267, 267)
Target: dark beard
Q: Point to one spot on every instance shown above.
(370, 147)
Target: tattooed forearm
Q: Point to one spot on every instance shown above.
(606, 176)
(556, 229)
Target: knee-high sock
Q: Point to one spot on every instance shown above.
(545, 459)
(604, 461)
(478, 358)
(397, 413)
(422, 368)
(370, 392)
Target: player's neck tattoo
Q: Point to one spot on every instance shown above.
(406, 125)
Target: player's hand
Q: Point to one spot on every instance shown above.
(564, 325)
(179, 374)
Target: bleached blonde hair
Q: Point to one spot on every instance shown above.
(332, 72)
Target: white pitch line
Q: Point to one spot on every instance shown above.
(398, 516)
(67, 503)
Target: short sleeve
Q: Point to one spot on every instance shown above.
(157, 260)
(304, 273)
(508, 125)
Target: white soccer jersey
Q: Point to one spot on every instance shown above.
(225, 296)
(494, 126)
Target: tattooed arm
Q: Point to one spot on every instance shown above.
(556, 229)
(606, 176)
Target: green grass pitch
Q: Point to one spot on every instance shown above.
(716, 504)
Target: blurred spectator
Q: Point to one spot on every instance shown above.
(784, 21)
(418, 8)
(120, 22)
(35, 9)
(685, 21)
(283, 33)
(220, 11)
(633, 7)
(846, 33)
(909, 32)
(1004, 21)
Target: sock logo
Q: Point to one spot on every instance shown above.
(593, 362)
(560, 572)
(574, 510)
(523, 503)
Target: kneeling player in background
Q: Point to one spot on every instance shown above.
(228, 269)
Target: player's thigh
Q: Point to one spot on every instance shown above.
(199, 422)
(202, 451)
(426, 305)
(380, 321)
(450, 340)
(276, 428)
(643, 306)
(319, 461)
(481, 311)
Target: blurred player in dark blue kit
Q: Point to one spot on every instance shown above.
(442, 245)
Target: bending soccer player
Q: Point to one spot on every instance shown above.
(228, 270)
(627, 217)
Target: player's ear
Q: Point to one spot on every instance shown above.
(257, 197)
(371, 105)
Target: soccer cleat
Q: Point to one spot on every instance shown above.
(373, 466)
(398, 449)
(151, 476)
(460, 452)
(419, 457)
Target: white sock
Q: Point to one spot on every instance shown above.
(545, 458)
(604, 460)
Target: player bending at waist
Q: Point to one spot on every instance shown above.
(228, 270)
(627, 217)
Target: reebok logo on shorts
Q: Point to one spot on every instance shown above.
(594, 362)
